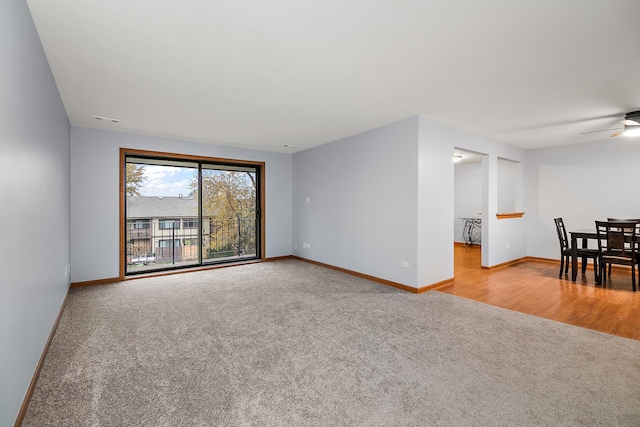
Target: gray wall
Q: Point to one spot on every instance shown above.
(580, 183)
(361, 212)
(95, 211)
(435, 201)
(368, 202)
(34, 190)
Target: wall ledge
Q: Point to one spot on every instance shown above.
(509, 215)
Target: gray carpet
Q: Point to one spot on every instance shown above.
(293, 344)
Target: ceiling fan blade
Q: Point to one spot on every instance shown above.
(617, 134)
(596, 131)
(630, 123)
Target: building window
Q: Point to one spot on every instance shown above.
(190, 223)
(140, 224)
(168, 224)
(167, 243)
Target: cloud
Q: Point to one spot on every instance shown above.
(168, 181)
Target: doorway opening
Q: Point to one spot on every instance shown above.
(468, 207)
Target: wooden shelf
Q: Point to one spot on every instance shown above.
(509, 215)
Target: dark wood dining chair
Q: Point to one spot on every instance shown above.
(617, 244)
(565, 251)
(636, 221)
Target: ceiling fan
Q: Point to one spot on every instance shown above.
(631, 127)
(631, 124)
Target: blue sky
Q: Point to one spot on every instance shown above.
(168, 181)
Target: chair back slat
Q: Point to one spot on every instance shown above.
(562, 234)
(617, 238)
(627, 230)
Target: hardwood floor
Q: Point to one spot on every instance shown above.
(533, 287)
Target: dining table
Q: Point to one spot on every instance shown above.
(584, 235)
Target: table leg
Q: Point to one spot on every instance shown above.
(574, 258)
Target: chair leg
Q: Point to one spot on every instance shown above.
(633, 277)
(561, 265)
(584, 265)
(599, 276)
(595, 269)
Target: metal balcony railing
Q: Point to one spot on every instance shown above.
(156, 246)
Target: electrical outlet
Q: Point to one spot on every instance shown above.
(295, 246)
(507, 246)
(404, 264)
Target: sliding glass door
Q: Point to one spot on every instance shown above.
(182, 213)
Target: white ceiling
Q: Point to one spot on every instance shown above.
(264, 74)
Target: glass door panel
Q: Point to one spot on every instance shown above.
(162, 213)
(229, 213)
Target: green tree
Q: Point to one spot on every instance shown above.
(227, 194)
(229, 201)
(134, 178)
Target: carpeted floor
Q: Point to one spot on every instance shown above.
(292, 344)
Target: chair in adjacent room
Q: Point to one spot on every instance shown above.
(617, 245)
(565, 252)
